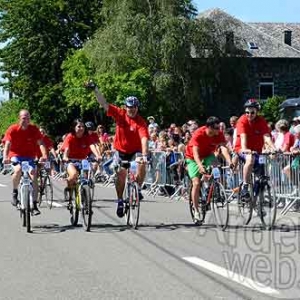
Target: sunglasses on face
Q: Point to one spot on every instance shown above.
(250, 112)
(131, 107)
(216, 127)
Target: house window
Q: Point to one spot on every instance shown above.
(266, 90)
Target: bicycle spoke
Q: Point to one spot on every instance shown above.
(220, 206)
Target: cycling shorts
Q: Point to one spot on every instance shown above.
(193, 169)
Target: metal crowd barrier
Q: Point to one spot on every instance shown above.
(170, 180)
(166, 176)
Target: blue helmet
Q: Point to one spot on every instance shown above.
(132, 101)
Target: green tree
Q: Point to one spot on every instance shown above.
(38, 35)
(151, 35)
(115, 87)
(9, 112)
(270, 109)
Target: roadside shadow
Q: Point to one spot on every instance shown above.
(53, 228)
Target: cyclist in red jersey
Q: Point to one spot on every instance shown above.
(252, 133)
(77, 146)
(21, 140)
(200, 153)
(131, 137)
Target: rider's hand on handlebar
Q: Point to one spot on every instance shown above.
(246, 151)
(201, 169)
(6, 161)
(43, 159)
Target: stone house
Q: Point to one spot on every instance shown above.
(271, 52)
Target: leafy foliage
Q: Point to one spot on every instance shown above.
(115, 87)
(9, 112)
(270, 109)
(38, 36)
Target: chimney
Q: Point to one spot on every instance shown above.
(229, 43)
(288, 37)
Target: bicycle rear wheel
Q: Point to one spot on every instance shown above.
(220, 206)
(133, 209)
(267, 208)
(245, 206)
(48, 190)
(86, 207)
(41, 189)
(74, 207)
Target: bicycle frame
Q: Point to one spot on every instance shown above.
(82, 189)
(25, 182)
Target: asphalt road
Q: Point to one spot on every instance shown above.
(166, 258)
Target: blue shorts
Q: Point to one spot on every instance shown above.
(257, 167)
(18, 159)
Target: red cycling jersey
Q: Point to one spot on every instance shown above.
(23, 142)
(94, 138)
(206, 144)
(47, 143)
(79, 148)
(255, 131)
(129, 131)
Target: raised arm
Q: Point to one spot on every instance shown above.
(100, 98)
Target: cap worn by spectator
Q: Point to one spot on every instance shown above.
(151, 118)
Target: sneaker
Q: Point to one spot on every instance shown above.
(261, 212)
(197, 219)
(120, 208)
(245, 195)
(281, 203)
(141, 197)
(14, 200)
(35, 210)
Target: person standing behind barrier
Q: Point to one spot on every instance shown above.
(102, 139)
(284, 139)
(152, 123)
(199, 154)
(131, 137)
(295, 150)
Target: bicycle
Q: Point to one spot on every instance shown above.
(45, 185)
(131, 194)
(212, 192)
(262, 195)
(80, 196)
(25, 194)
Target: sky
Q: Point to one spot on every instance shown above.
(286, 11)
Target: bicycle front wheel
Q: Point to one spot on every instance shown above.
(245, 206)
(220, 206)
(25, 210)
(133, 209)
(86, 207)
(267, 208)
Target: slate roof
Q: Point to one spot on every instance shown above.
(267, 36)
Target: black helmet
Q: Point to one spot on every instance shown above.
(132, 101)
(252, 103)
(90, 125)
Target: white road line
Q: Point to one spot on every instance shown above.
(55, 204)
(3, 185)
(245, 281)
